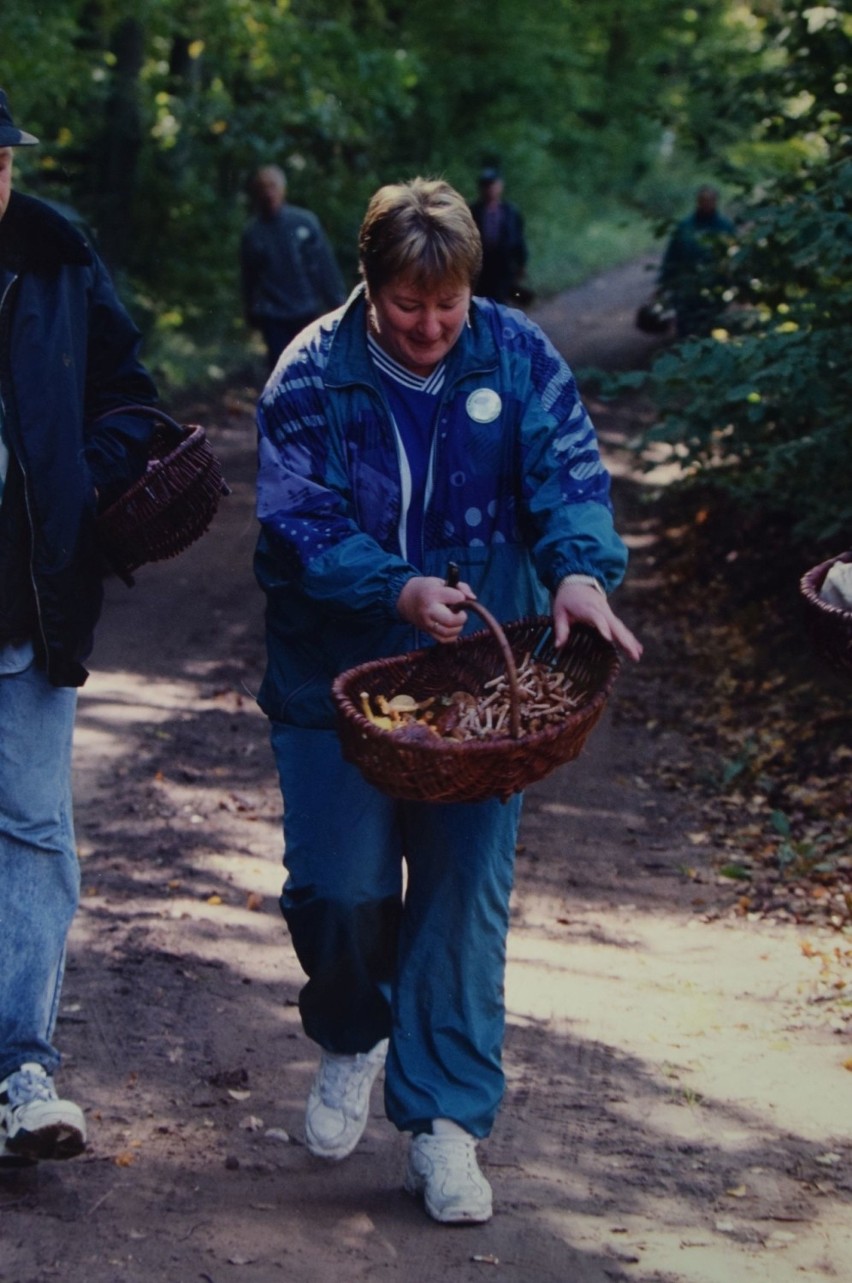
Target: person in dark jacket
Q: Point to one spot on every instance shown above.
(68, 365)
(504, 246)
(289, 272)
(692, 276)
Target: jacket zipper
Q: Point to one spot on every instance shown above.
(4, 328)
(375, 389)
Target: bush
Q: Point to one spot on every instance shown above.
(760, 407)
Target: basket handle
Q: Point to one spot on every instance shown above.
(181, 431)
(502, 641)
(146, 412)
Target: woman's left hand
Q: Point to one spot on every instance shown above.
(576, 602)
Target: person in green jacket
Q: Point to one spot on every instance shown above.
(692, 275)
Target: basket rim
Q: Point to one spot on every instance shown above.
(812, 580)
(195, 437)
(442, 746)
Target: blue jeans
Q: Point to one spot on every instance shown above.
(426, 968)
(39, 873)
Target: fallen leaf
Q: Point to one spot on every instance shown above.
(780, 1238)
(278, 1133)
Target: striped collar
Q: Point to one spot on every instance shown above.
(430, 384)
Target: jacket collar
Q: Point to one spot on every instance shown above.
(35, 237)
(349, 360)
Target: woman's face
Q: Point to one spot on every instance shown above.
(417, 325)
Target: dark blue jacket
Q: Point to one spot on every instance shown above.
(68, 364)
(504, 260)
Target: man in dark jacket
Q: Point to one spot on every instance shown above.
(289, 273)
(68, 366)
(504, 246)
(692, 276)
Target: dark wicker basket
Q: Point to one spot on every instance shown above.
(171, 505)
(444, 770)
(830, 625)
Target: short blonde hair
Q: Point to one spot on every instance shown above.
(420, 231)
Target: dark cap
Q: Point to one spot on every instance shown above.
(10, 134)
(489, 175)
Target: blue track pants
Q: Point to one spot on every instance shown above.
(424, 966)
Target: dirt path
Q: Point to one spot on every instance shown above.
(677, 1107)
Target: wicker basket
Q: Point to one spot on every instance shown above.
(444, 770)
(830, 625)
(171, 505)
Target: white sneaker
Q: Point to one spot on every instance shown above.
(339, 1101)
(34, 1122)
(443, 1168)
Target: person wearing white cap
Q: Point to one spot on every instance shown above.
(68, 365)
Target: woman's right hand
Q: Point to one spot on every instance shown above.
(427, 602)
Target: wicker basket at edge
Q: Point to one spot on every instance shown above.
(171, 505)
(445, 770)
(830, 625)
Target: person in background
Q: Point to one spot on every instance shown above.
(691, 279)
(414, 427)
(504, 247)
(289, 272)
(68, 365)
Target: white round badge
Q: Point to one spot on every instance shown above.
(484, 405)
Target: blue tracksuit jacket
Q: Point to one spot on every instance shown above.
(517, 496)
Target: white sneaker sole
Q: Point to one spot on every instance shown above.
(331, 1153)
(475, 1215)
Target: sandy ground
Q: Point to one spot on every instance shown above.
(678, 1107)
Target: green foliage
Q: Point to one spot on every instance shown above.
(153, 117)
(761, 406)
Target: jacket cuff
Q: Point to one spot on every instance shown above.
(582, 579)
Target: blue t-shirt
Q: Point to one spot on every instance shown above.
(413, 402)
